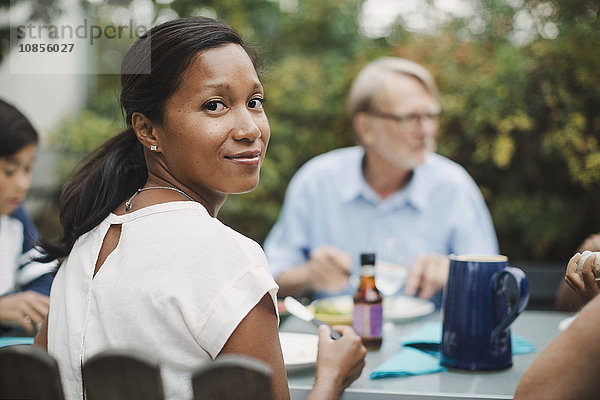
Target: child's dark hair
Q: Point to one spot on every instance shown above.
(113, 172)
(16, 132)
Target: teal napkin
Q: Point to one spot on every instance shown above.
(409, 361)
(520, 345)
(420, 353)
(10, 341)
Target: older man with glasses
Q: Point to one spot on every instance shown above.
(391, 186)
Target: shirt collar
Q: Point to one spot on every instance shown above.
(355, 186)
(416, 190)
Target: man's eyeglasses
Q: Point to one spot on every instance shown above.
(410, 121)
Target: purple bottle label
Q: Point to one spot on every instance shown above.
(368, 320)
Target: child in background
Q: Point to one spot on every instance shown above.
(24, 284)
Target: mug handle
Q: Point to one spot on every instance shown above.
(522, 298)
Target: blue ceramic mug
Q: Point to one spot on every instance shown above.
(476, 311)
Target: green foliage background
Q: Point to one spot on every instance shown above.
(523, 120)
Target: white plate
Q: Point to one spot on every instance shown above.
(405, 308)
(564, 324)
(299, 350)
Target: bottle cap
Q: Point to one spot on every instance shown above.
(367, 259)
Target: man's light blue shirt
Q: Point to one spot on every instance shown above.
(328, 202)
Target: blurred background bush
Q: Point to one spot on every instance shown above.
(520, 84)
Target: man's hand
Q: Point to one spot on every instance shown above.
(428, 275)
(27, 309)
(328, 269)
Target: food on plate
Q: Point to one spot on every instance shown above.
(334, 310)
(334, 305)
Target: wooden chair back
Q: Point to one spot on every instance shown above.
(233, 377)
(27, 372)
(122, 375)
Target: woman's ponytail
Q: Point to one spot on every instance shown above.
(99, 184)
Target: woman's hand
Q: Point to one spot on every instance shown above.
(339, 362)
(585, 284)
(27, 309)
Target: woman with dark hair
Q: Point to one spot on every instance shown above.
(148, 266)
(24, 284)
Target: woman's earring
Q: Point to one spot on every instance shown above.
(153, 148)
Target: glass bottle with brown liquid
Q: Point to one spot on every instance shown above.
(368, 313)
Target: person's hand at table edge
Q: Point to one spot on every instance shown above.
(27, 309)
(585, 284)
(339, 362)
